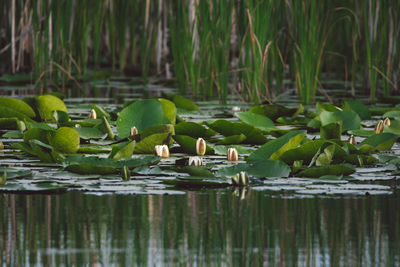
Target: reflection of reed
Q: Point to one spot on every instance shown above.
(200, 228)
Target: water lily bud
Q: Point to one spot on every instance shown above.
(1, 145)
(201, 147)
(379, 127)
(241, 179)
(232, 154)
(126, 175)
(352, 140)
(134, 131)
(235, 109)
(162, 151)
(386, 122)
(195, 161)
(93, 114)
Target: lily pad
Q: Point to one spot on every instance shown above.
(122, 151)
(18, 106)
(147, 145)
(95, 165)
(227, 128)
(46, 104)
(258, 121)
(223, 150)
(305, 152)
(193, 129)
(383, 141)
(232, 140)
(273, 111)
(275, 148)
(188, 144)
(358, 107)
(89, 133)
(141, 114)
(183, 102)
(169, 109)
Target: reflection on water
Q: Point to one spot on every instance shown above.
(213, 227)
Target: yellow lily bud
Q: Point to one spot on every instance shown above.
(195, 161)
(134, 131)
(232, 154)
(386, 122)
(1, 145)
(352, 140)
(201, 147)
(162, 151)
(379, 127)
(93, 114)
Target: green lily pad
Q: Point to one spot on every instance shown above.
(141, 114)
(12, 124)
(36, 133)
(146, 145)
(66, 140)
(18, 106)
(232, 140)
(273, 111)
(227, 128)
(46, 104)
(331, 131)
(395, 114)
(275, 148)
(123, 150)
(195, 171)
(188, 144)
(350, 119)
(95, 165)
(258, 121)
(305, 152)
(223, 150)
(183, 102)
(169, 109)
(339, 169)
(358, 107)
(193, 181)
(13, 173)
(158, 129)
(383, 141)
(12, 135)
(6, 112)
(89, 133)
(393, 128)
(193, 129)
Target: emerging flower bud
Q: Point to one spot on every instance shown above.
(134, 131)
(93, 114)
(195, 161)
(3, 178)
(379, 127)
(1, 145)
(352, 140)
(232, 154)
(162, 151)
(201, 147)
(386, 122)
(241, 179)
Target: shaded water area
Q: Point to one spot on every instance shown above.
(276, 221)
(205, 228)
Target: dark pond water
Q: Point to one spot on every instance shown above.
(284, 222)
(200, 228)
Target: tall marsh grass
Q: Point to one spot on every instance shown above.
(213, 47)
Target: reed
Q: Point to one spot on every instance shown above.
(214, 47)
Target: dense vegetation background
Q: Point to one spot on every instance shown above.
(211, 47)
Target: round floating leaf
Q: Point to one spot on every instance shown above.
(305, 152)
(89, 133)
(66, 140)
(258, 121)
(169, 109)
(223, 150)
(383, 141)
(6, 112)
(188, 144)
(18, 106)
(350, 119)
(146, 145)
(193, 129)
(157, 129)
(359, 108)
(275, 148)
(122, 151)
(273, 111)
(227, 128)
(232, 140)
(141, 114)
(46, 104)
(183, 102)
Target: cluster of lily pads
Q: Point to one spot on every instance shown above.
(267, 141)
